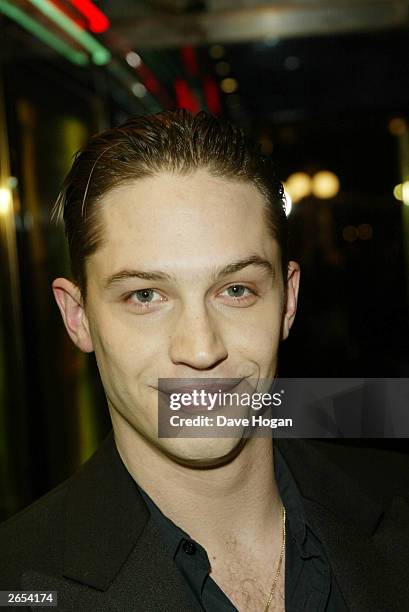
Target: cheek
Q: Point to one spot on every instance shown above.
(267, 320)
(258, 337)
(259, 343)
(120, 353)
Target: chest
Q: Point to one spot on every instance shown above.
(248, 586)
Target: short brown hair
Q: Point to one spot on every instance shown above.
(144, 146)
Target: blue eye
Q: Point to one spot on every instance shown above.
(144, 297)
(237, 291)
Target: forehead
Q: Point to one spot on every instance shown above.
(190, 221)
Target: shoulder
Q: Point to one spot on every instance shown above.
(335, 472)
(75, 518)
(33, 536)
(382, 474)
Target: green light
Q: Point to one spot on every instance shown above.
(32, 26)
(100, 55)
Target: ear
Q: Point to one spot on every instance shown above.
(290, 306)
(69, 301)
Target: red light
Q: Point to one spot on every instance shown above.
(190, 60)
(185, 97)
(211, 92)
(149, 79)
(97, 21)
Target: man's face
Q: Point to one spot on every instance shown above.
(186, 318)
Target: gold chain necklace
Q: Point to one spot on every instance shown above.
(280, 562)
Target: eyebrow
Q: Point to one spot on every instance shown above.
(216, 273)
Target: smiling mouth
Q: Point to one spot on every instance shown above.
(200, 385)
(206, 398)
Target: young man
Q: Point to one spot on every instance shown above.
(177, 237)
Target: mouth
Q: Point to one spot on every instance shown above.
(200, 393)
(226, 384)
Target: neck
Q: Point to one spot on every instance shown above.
(237, 502)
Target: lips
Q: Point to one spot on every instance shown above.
(167, 387)
(171, 386)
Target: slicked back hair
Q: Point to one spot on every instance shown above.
(145, 146)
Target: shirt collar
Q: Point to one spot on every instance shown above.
(173, 535)
(297, 522)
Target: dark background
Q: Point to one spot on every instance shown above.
(320, 87)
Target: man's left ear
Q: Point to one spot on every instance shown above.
(290, 306)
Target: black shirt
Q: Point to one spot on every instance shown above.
(309, 583)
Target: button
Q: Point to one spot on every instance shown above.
(189, 547)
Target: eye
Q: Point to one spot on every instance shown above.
(144, 297)
(239, 293)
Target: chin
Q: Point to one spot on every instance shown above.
(202, 453)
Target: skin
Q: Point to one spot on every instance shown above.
(221, 491)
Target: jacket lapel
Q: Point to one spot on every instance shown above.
(112, 548)
(367, 547)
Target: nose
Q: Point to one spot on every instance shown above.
(196, 341)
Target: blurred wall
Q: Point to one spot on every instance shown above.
(52, 410)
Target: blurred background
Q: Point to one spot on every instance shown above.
(323, 86)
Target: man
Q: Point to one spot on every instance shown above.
(177, 236)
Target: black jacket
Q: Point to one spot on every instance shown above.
(91, 540)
